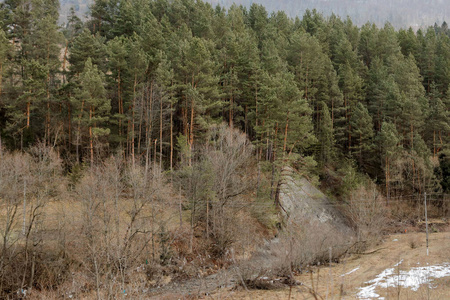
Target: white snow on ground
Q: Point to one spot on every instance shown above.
(355, 269)
(413, 278)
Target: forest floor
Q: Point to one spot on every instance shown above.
(397, 268)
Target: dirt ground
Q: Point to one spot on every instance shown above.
(343, 280)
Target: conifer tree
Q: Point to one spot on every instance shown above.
(351, 85)
(326, 137)
(117, 61)
(442, 76)
(427, 58)
(199, 87)
(5, 51)
(92, 109)
(362, 132)
(388, 141)
(86, 45)
(438, 121)
(408, 42)
(378, 85)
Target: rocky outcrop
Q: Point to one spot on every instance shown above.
(302, 202)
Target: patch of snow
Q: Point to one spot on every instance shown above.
(408, 279)
(399, 263)
(355, 269)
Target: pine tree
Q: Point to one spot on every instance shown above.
(315, 75)
(362, 132)
(47, 41)
(427, 58)
(326, 137)
(412, 111)
(5, 51)
(378, 85)
(442, 75)
(117, 61)
(86, 45)
(368, 43)
(438, 121)
(199, 87)
(387, 44)
(138, 63)
(408, 42)
(352, 89)
(388, 141)
(92, 109)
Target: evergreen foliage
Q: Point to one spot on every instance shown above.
(138, 74)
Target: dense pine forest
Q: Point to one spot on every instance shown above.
(400, 13)
(148, 78)
(182, 104)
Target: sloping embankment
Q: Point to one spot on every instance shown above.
(301, 203)
(313, 230)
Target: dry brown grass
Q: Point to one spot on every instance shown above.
(386, 255)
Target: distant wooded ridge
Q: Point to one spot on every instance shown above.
(400, 13)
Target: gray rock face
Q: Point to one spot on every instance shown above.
(302, 202)
(313, 227)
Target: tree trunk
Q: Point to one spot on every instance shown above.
(141, 118)
(245, 120)
(258, 153)
(360, 149)
(91, 142)
(28, 114)
(132, 120)
(48, 96)
(48, 112)
(149, 128)
(1, 78)
(231, 110)
(286, 132)
(387, 180)
(160, 131)
(434, 143)
(349, 131)
(442, 143)
(171, 138)
(191, 132)
(332, 112)
(207, 219)
(120, 107)
(24, 225)
(79, 130)
(69, 119)
(154, 155)
(64, 62)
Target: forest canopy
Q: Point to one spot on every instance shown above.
(149, 78)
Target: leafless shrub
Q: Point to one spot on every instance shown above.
(215, 184)
(297, 246)
(367, 209)
(120, 218)
(28, 183)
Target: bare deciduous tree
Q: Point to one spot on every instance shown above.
(368, 212)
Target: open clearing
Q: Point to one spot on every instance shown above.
(398, 268)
